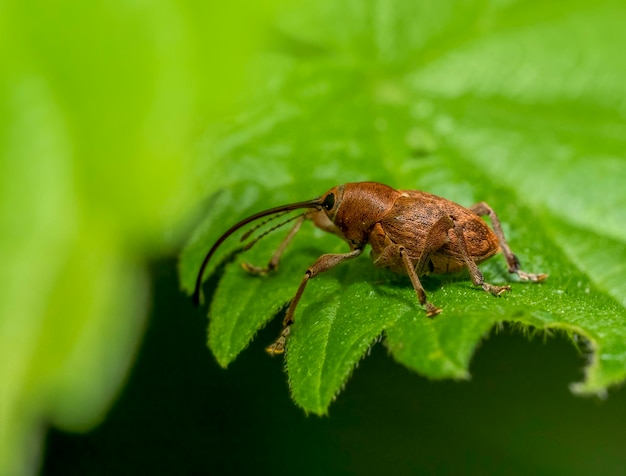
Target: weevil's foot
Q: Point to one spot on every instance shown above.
(432, 311)
(278, 347)
(536, 278)
(495, 290)
(256, 270)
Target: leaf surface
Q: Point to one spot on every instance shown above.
(517, 104)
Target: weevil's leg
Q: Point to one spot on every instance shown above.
(437, 237)
(323, 263)
(275, 259)
(431, 310)
(475, 274)
(483, 209)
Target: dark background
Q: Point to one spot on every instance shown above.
(180, 413)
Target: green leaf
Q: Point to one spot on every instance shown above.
(519, 104)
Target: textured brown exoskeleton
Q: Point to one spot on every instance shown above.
(410, 232)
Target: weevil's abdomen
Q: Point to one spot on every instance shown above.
(419, 221)
(481, 243)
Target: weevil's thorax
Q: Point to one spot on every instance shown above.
(358, 207)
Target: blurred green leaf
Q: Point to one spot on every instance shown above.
(520, 104)
(101, 104)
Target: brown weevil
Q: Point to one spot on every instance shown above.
(410, 232)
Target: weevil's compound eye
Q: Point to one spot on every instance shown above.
(329, 202)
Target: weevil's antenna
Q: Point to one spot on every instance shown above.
(267, 232)
(247, 234)
(315, 203)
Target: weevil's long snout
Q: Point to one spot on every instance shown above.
(316, 203)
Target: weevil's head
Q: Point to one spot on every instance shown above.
(331, 201)
(327, 206)
(354, 208)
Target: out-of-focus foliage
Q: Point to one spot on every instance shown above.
(101, 103)
(520, 104)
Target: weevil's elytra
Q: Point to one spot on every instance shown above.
(410, 232)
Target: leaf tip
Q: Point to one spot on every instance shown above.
(583, 390)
